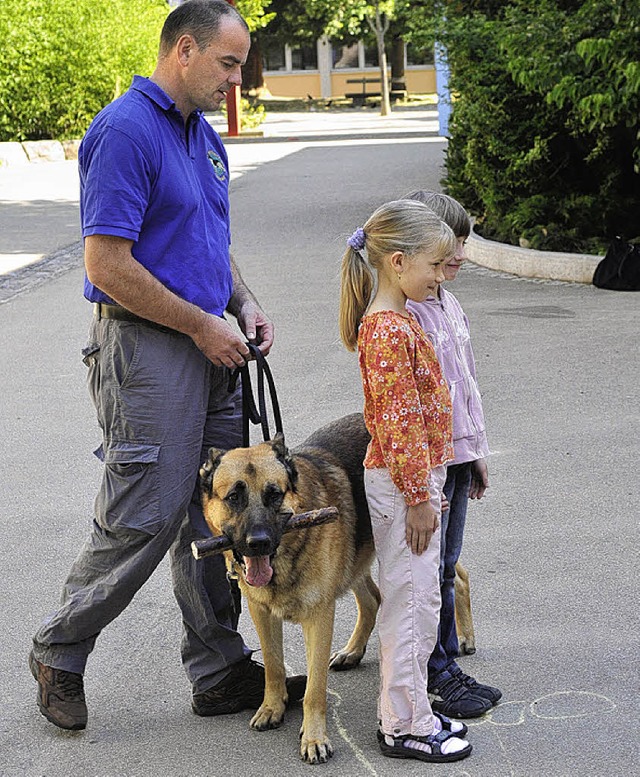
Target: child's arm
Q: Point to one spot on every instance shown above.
(479, 479)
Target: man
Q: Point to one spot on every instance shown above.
(155, 220)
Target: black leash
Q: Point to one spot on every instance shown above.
(251, 413)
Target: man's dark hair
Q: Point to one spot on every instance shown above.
(199, 18)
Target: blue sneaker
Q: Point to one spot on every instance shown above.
(477, 689)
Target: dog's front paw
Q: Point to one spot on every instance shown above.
(268, 716)
(345, 659)
(315, 750)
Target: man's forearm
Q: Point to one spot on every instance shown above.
(241, 292)
(111, 267)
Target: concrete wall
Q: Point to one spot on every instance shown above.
(529, 263)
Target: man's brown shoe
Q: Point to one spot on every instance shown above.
(60, 695)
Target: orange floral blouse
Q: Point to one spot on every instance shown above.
(407, 407)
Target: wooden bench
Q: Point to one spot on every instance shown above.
(359, 98)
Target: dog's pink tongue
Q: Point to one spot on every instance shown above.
(258, 570)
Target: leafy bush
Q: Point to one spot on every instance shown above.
(545, 130)
(252, 116)
(63, 60)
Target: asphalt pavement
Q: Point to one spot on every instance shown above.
(551, 549)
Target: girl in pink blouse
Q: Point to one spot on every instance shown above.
(407, 410)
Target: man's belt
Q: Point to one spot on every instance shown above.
(102, 310)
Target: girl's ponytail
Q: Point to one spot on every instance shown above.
(402, 225)
(356, 286)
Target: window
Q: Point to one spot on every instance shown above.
(304, 58)
(273, 57)
(419, 56)
(371, 56)
(344, 55)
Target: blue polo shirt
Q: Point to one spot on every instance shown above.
(147, 178)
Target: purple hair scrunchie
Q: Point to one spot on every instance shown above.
(357, 240)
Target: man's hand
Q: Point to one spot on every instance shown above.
(221, 344)
(111, 267)
(421, 523)
(256, 326)
(479, 479)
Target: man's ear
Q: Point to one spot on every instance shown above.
(208, 468)
(184, 48)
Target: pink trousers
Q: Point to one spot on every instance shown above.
(410, 609)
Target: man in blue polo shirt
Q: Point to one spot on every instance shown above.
(155, 221)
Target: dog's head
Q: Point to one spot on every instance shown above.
(245, 496)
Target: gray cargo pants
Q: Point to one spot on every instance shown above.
(161, 405)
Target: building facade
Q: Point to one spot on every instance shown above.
(324, 70)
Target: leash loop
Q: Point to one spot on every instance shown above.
(251, 413)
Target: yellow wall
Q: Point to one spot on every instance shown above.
(339, 78)
(418, 80)
(421, 80)
(293, 84)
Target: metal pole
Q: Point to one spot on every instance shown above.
(234, 117)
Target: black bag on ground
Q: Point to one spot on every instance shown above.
(620, 268)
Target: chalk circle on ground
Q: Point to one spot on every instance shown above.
(564, 705)
(511, 713)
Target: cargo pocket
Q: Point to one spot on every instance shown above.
(91, 360)
(129, 497)
(382, 495)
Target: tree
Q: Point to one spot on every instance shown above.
(255, 14)
(63, 60)
(544, 132)
(379, 23)
(298, 21)
(589, 65)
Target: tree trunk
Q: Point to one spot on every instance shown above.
(381, 26)
(252, 78)
(397, 65)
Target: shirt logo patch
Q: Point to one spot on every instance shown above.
(218, 165)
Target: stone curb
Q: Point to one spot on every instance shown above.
(23, 279)
(530, 263)
(13, 153)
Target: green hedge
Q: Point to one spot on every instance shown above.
(545, 130)
(62, 61)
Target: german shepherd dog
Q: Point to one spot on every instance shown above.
(248, 494)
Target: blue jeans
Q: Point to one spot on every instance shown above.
(456, 490)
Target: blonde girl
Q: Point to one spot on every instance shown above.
(407, 410)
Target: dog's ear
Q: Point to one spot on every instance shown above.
(282, 454)
(279, 446)
(208, 468)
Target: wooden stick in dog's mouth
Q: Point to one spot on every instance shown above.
(213, 545)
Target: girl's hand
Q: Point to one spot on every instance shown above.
(479, 479)
(444, 504)
(422, 521)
